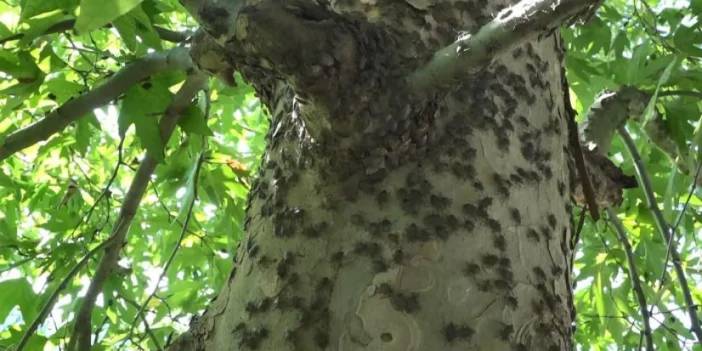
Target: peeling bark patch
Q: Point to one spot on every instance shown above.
(454, 332)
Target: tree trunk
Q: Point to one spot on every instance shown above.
(386, 220)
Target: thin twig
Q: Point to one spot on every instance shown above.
(664, 230)
(633, 276)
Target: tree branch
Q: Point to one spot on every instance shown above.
(80, 339)
(577, 151)
(75, 109)
(633, 276)
(169, 260)
(511, 26)
(663, 229)
(62, 26)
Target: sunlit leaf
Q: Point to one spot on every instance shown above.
(97, 13)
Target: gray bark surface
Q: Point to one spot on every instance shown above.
(383, 220)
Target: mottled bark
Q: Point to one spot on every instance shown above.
(384, 220)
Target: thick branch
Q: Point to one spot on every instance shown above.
(81, 332)
(633, 276)
(664, 230)
(75, 109)
(512, 26)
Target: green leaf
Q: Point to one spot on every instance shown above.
(61, 90)
(97, 13)
(38, 26)
(697, 138)
(31, 8)
(63, 219)
(127, 31)
(145, 29)
(635, 65)
(20, 65)
(142, 106)
(648, 114)
(193, 121)
(189, 190)
(84, 130)
(8, 222)
(137, 25)
(689, 40)
(17, 292)
(55, 62)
